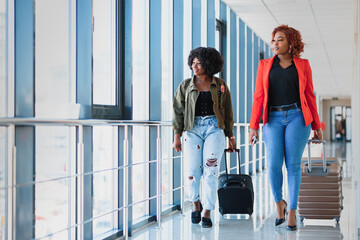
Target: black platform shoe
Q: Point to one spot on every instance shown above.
(196, 215)
(206, 222)
(279, 221)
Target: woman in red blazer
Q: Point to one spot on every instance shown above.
(284, 93)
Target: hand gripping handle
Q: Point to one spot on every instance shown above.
(238, 153)
(309, 154)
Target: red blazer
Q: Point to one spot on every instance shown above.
(307, 97)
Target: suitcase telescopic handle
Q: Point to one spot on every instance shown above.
(237, 150)
(309, 154)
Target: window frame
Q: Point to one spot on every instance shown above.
(220, 26)
(115, 112)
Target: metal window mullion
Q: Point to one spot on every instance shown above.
(254, 159)
(72, 182)
(245, 72)
(158, 178)
(260, 149)
(237, 70)
(115, 176)
(9, 58)
(238, 167)
(146, 169)
(182, 194)
(228, 45)
(125, 184)
(246, 150)
(11, 180)
(187, 35)
(203, 23)
(80, 183)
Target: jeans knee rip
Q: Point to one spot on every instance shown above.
(191, 179)
(212, 162)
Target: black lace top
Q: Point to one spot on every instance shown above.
(204, 104)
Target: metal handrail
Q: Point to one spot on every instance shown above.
(79, 123)
(85, 174)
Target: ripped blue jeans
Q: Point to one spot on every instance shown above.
(203, 149)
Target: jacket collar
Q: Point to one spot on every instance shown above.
(193, 87)
(192, 84)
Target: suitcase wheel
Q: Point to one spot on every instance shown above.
(250, 211)
(221, 210)
(301, 219)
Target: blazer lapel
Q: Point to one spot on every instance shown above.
(266, 73)
(300, 69)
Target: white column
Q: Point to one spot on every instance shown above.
(355, 105)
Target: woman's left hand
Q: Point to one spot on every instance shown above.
(232, 143)
(318, 134)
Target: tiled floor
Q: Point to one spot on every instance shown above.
(261, 224)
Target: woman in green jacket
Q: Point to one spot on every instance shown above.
(203, 112)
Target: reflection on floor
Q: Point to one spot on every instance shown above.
(261, 224)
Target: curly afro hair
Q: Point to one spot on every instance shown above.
(294, 38)
(210, 59)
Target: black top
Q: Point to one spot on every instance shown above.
(204, 104)
(283, 84)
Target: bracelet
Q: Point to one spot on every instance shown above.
(232, 137)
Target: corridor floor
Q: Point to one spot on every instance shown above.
(261, 224)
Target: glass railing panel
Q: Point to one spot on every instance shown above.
(52, 197)
(167, 166)
(140, 172)
(3, 182)
(105, 183)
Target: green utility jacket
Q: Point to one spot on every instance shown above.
(185, 100)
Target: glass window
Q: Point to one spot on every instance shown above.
(105, 187)
(2, 59)
(104, 52)
(3, 103)
(2, 181)
(187, 36)
(52, 51)
(140, 81)
(166, 99)
(52, 198)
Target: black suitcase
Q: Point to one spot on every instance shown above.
(235, 191)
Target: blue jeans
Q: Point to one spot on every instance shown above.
(203, 149)
(285, 136)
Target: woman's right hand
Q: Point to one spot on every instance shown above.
(177, 143)
(252, 133)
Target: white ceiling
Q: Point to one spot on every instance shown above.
(327, 28)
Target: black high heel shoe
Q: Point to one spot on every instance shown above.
(279, 221)
(291, 228)
(196, 215)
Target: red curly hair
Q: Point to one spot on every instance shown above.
(294, 38)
